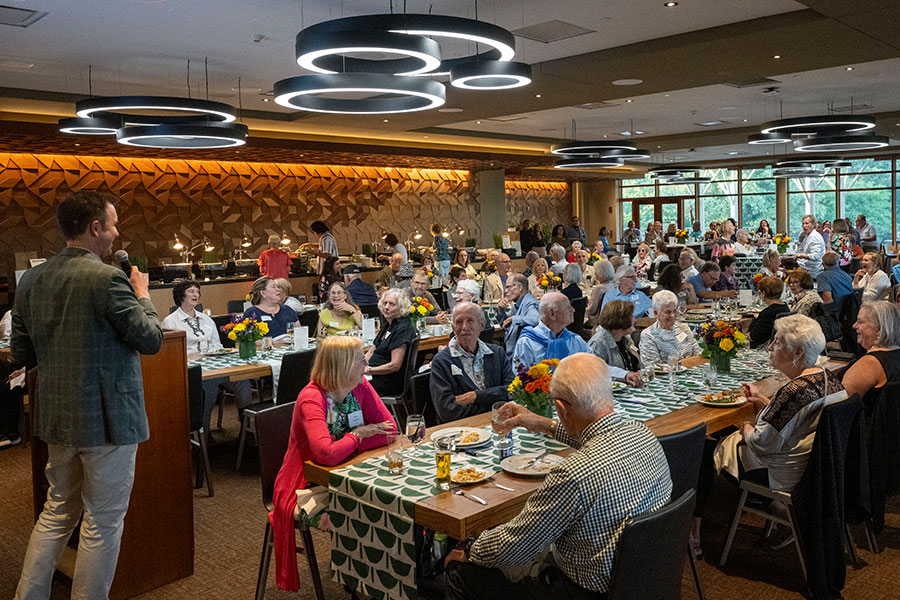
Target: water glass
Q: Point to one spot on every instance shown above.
(709, 376)
(496, 421)
(394, 453)
(268, 344)
(415, 429)
(647, 373)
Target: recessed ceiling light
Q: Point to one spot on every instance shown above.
(670, 4)
(732, 153)
(777, 56)
(629, 100)
(478, 122)
(266, 99)
(537, 95)
(450, 110)
(628, 82)
(639, 132)
(425, 136)
(849, 69)
(623, 133)
(666, 95)
(385, 120)
(727, 107)
(745, 120)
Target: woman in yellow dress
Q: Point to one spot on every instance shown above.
(340, 315)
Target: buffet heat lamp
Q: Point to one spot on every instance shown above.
(346, 59)
(158, 122)
(822, 133)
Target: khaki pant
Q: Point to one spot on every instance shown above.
(96, 481)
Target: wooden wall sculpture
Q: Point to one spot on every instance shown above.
(161, 198)
(547, 201)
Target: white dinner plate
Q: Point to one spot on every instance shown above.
(515, 464)
(484, 436)
(740, 400)
(454, 475)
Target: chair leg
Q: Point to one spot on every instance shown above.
(311, 562)
(734, 526)
(792, 518)
(198, 466)
(220, 400)
(264, 560)
(871, 538)
(851, 547)
(241, 439)
(693, 561)
(204, 456)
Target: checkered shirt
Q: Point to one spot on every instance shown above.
(618, 471)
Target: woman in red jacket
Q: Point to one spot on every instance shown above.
(337, 414)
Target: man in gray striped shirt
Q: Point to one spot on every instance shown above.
(618, 470)
(327, 244)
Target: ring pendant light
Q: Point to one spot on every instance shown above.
(204, 109)
(99, 125)
(211, 135)
(586, 162)
(590, 148)
(490, 75)
(323, 52)
(818, 124)
(412, 93)
(769, 138)
(624, 154)
(842, 143)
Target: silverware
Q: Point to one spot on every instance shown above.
(539, 458)
(470, 496)
(502, 487)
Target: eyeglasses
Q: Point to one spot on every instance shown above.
(628, 277)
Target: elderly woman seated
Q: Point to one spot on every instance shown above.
(572, 276)
(805, 297)
(339, 314)
(874, 283)
(387, 356)
(202, 335)
(265, 296)
(612, 342)
(878, 331)
(667, 337)
(337, 414)
(626, 280)
(538, 270)
(774, 448)
(469, 375)
(770, 288)
(604, 274)
(727, 279)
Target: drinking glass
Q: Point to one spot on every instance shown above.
(442, 449)
(290, 330)
(415, 430)
(647, 373)
(673, 371)
(394, 453)
(709, 376)
(268, 344)
(496, 421)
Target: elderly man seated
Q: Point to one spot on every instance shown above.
(558, 256)
(389, 276)
(418, 287)
(626, 280)
(495, 283)
(468, 376)
(618, 471)
(706, 279)
(550, 339)
(523, 310)
(361, 292)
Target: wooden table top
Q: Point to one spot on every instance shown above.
(459, 517)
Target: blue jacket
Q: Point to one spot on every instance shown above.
(448, 382)
(527, 313)
(362, 293)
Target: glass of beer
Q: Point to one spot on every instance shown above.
(394, 453)
(442, 449)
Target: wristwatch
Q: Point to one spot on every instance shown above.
(554, 426)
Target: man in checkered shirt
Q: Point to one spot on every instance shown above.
(618, 470)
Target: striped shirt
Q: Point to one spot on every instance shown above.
(618, 471)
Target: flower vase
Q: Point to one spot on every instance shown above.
(722, 362)
(247, 349)
(419, 325)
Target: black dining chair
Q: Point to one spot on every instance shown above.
(293, 377)
(273, 431)
(309, 319)
(236, 306)
(577, 324)
(656, 538)
(199, 435)
(221, 321)
(421, 398)
(404, 398)
(370, 311)
(684, 453)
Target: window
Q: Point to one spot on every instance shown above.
(811, 195)
(866, 190)
(755, 208)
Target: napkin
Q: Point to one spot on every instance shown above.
(17, 381)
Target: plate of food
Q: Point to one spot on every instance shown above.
(525, 465)
(618, 385)
(723, 399)
(220, 352)
(467, 475)
(466, 437)
(663, 368)
(701, 310)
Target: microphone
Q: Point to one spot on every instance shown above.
(122, 258)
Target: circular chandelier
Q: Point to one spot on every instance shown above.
(183, 123)
(336, 52)
(574, 148)
(587, 162)
(822, 133)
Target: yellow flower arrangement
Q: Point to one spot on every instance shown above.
(720, 341)
(245, 330)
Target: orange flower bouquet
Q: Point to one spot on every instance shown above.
(549, 280)
(531, 387)
(721, 341)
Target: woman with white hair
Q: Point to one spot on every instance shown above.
(666, 337)
(538, 270)
(771, 263)
(388, 354)
(604, 274)
(873, 282)
(626, 281)
(571, 279)
(743, 245)
(878, 331)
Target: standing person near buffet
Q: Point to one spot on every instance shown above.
(812, 248)
(327, 245)
(395, 247)
(274, 262)
(618, 471)
(441, 251)
(85, 324)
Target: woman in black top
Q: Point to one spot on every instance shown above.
(571, 279)
(762, 326)
(388, 356)
(526, 237)
(878, 331)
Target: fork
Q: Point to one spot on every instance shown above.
(459, 492)
(539, 458)
(502, 487)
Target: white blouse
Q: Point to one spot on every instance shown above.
(658, 344)
(874, 287)
(202, 335)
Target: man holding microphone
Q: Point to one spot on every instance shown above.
(85, 324)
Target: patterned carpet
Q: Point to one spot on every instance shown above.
(229, 529)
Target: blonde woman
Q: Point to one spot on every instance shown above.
(340, 314)
(337, 414)
(771, 263)
(642, 260)
(265, 296)
(873, 282)
(538, 270)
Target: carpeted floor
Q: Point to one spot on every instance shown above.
(229, 529)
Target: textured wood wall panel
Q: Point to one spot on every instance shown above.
(223, 201)
(546, 201)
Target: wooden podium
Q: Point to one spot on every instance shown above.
(158, 541)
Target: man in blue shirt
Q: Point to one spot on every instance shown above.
(833, 283)
(523, 307)
(626, 280)
(705, 280)
(550, 339)
(576, 232)
(361, 292)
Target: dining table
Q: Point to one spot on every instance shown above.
(375, 514)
